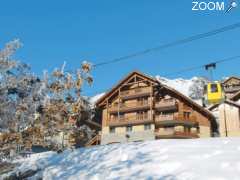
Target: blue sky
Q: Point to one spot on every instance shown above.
(73, 31)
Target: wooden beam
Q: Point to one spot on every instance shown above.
(151, 103)
(107, 113)
(137, 82)
(119, 102)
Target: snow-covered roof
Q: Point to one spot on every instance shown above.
(95, 98)
(232, 103)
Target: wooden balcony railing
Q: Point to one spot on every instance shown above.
(175, 134)
(131, 120)
(191, 118)
(164, 117)
(186, 134)
(231, 88)
(130, 107)
(137, 92)
(175, 119)
(166, 104)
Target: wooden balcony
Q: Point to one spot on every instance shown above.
(130, 107)
(167, 104)
(164, 118)
(134, 93)
(172, 120)
(131, 120)
(172, 134)
(229, 89)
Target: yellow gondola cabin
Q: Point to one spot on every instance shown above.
(214, 93)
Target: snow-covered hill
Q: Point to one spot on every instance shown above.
(196, 159)
(192, 88)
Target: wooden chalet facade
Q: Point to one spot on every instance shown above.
(227, 114)
(140, 108)
(231, 86)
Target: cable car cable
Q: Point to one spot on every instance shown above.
(202, 66)
(187, 69)
(171, 44)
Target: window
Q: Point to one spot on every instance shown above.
(121, 116)
(187, 129)
(112, 129)
(141, 115)
(186, 115)
(147, 127)
(198, 130)
(214, 88)
(129, 128)
(143, 101)
(166, 113)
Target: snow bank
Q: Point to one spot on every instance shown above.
(198, 159)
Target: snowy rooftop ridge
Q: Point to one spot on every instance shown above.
(95, 98)
(195, 159)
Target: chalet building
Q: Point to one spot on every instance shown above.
(231, 86)
(236, 97)
(227, 115)
(141, 108)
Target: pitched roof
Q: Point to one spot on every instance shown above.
(121, 82)
(201, 109)
(235, 96)
(232, 77)
(227, 102)
(157, 83)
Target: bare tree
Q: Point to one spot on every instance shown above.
(53, 102)
(18, 88)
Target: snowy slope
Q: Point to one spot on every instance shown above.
(182, 85)
(196, 159)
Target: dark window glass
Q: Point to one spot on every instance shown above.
(121, 116)
(141, 115)
(186, 115)
(214, 88)
(112, 129)
(147, 127)
(129, 128)
(187, 129)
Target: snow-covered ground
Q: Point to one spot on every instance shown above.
(198, 159)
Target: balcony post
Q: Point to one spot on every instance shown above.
(118, 103)
(107, 112)
(151, 102)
